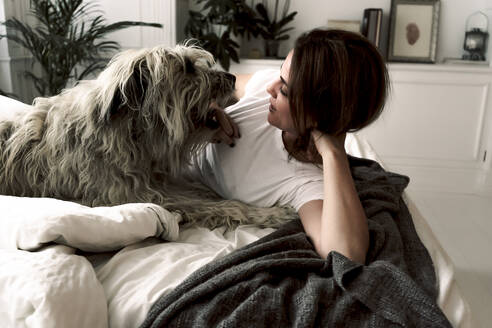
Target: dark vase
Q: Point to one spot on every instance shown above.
(271, 48)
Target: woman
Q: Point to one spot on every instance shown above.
(292, 146)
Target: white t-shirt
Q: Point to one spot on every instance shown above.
(257, 170)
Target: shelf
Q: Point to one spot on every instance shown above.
(391, 65)
(440, 67)
(262, 61)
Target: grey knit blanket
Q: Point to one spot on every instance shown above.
(280, 281)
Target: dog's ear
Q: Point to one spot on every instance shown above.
(132, 93)
(189, 66)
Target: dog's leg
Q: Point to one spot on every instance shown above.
(200, 206)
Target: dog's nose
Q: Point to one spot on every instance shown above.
(231, 77)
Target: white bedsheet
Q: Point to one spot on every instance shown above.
(49, 288)
(138, 256)
(138, 275)
(44, 283)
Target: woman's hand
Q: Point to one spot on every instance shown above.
(228, 130)
(328, 144)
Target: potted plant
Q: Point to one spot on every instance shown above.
(273, 28)
(216, 25)
(67, 42)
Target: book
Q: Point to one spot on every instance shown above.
(346, 25)
(371, 25)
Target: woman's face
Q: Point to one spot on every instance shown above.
(279, 115)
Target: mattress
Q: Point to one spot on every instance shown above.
(137, 263)
(450, 298)
(196, 247)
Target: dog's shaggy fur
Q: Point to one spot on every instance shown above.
(125, 137)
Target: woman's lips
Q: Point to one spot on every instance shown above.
(272, 109)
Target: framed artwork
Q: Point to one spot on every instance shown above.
(414, 26)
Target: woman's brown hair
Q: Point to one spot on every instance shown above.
(338, 83)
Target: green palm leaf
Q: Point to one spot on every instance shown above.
(69, 36)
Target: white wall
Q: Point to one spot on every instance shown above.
(315, 13)
(14, 60)
(311, 14)
(150, 11)
(5, 79)
(3, 43)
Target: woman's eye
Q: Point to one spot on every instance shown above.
(283, 92)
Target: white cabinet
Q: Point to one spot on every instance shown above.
(438, 113)
(436, 127)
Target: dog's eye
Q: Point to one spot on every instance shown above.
(211, 115)
(211, 120)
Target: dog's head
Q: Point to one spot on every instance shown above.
(166, 92)
(182, 77)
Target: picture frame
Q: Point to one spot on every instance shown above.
(414, 26)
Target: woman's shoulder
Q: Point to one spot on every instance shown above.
(241, 82)
(254, 84)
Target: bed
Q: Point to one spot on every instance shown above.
(66, 265)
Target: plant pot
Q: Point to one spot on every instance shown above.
(271, 48)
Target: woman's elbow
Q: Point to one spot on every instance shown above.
(358, 251)
(355, 250)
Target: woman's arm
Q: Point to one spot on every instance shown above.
(338, 222)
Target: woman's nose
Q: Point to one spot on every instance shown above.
(271, 89)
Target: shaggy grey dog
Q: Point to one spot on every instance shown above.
(126, 136)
